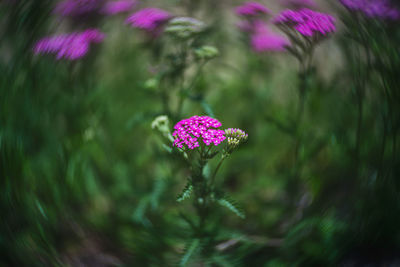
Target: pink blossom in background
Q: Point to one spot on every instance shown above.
(149, 19)
(297, 4)
(307, 22)
(119, 6)
(190, 132)
(74, 8)
(70, 46)
(264, 40)
(383, 9)
(251, 9)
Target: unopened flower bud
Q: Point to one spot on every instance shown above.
(161, 124)
(151, 84)
(235, 137)
(206, 52)
(184, 27)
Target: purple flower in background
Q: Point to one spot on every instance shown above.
(383, 9)
(307, 22)
(119, 6)
(252, 9)
(149, 19)
(73, 8)
(298, 4)
(190, 132)
(264, 40)
(70, 46)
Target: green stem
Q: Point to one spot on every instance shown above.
(184, 91)
(216, 169)
(360, 104)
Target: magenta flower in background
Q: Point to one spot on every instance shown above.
(119, 6)
(70, 46)
(252, 9)
(307, 22)
(189, 133)
(383, 9)
(298, 4)
(73, 8)
(264, 40)
(149, 19)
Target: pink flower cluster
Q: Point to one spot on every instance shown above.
(383, 9)
(190, 132)
(149, 19)
(307, 22)
(251, 9)
(263, 39)
(70, 46)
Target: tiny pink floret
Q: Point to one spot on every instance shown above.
(190, 132)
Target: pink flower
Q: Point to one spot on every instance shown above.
(251, 9)
(149, 19)
(71, 46)
(190, 132)
(383, 9)
(119, 6)
(264, 40)
(307, 22)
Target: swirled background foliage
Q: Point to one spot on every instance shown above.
(85, 182)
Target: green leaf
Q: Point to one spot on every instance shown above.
(186, 192)
(231, 205)
(189, 252)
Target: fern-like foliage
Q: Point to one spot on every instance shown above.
(189, 251)
(186, 192)
(232, 205)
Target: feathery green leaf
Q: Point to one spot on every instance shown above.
(231, 205)
(186, 192)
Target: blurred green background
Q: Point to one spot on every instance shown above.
(86, 182)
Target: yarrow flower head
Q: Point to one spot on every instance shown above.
(149, 19)
(119, 6)
(298, 4)
(252, 9)
(264, 40)
(307, 22)
(189, 133)
(70, 46)
(382, 9)
(235, 137)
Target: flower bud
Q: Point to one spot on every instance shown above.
(206, 52)
(184, 27)
(235, 137)
(161, 124)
